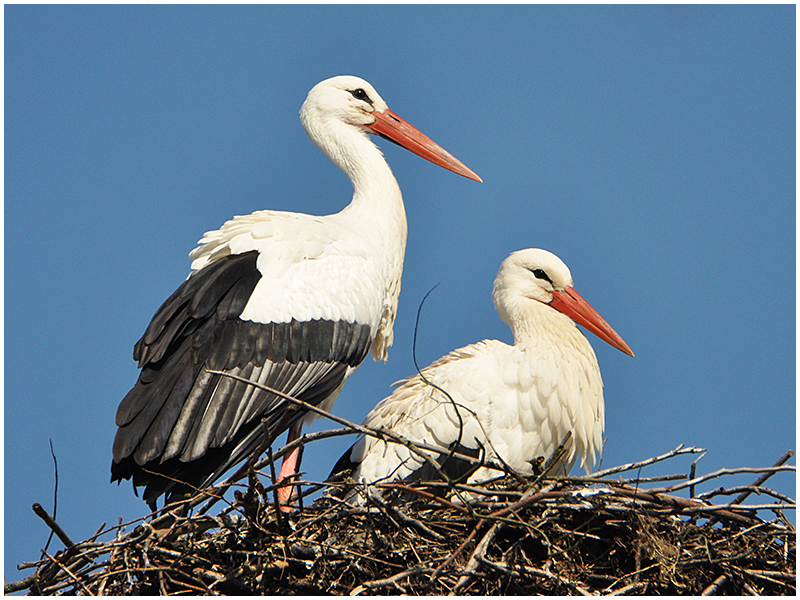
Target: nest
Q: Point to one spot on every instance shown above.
(568, 536)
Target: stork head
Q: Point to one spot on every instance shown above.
(540, 276)
(354, 103)
(345, 98)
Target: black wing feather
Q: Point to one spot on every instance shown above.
(184, 423)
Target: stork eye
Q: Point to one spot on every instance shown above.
(360, 94)
(540, 274)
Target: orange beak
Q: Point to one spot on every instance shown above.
(572, 304)
(401, 132)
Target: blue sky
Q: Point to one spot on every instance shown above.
(651, 148)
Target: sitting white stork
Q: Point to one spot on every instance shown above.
(291, 301)
(516, 402)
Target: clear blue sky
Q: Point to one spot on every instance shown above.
(651, 148)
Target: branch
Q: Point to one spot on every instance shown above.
(721, 473)
(680, 450)
(55, 527)
(760, 481)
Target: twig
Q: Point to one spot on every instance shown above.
(680, 450)
(682, 503)
(55, 527)
(55, 494)
(760, 481)
(474, 560)
(634, 587)
(528, 498)
(371, 585)
(747, 488)
(406, 520)
(22, 584)
(749, 589)
(743, 507)
(69, 574)
(715, 585)
(722, 473)
(770, 574)
(533, 572)
(275, 500)
(693, 473)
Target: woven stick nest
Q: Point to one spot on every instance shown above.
(569, 536)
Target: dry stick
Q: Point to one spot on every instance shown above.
(629, 588)
(55, 495)
(534, 572)
(743, 507)
(75, 557)
(680, 450)
(22, 584)
(745, 488)
(610, 482)
(681, 503)
(529, 499)
(693, 473)
(741, 498)
(721, 473)
(406, 520)
(55, 527)
(474, 560)
(69, 573)
(389, 580)
(101, 588)
(770, 574)
(425, 494)
(296, 477)
(278, 513)
(748, 588)
(434, 386)
(111, 558)
(628, 575)
(715, 585)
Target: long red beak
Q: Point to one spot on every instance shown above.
(572, 304)
(398, 130)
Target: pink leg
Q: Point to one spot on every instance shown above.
(289, 468)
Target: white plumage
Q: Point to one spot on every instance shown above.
(291, 301)
(517, 402)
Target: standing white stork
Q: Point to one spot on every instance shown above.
(517, 402)
(291, 301)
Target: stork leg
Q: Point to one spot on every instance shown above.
(289, 468)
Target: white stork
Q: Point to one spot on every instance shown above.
(515, 402)
(291, 301)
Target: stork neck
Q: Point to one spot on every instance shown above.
(378, 203)
(375, 188)
(377, 199)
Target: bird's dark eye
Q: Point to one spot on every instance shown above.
(360, 94)
(540, 274)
